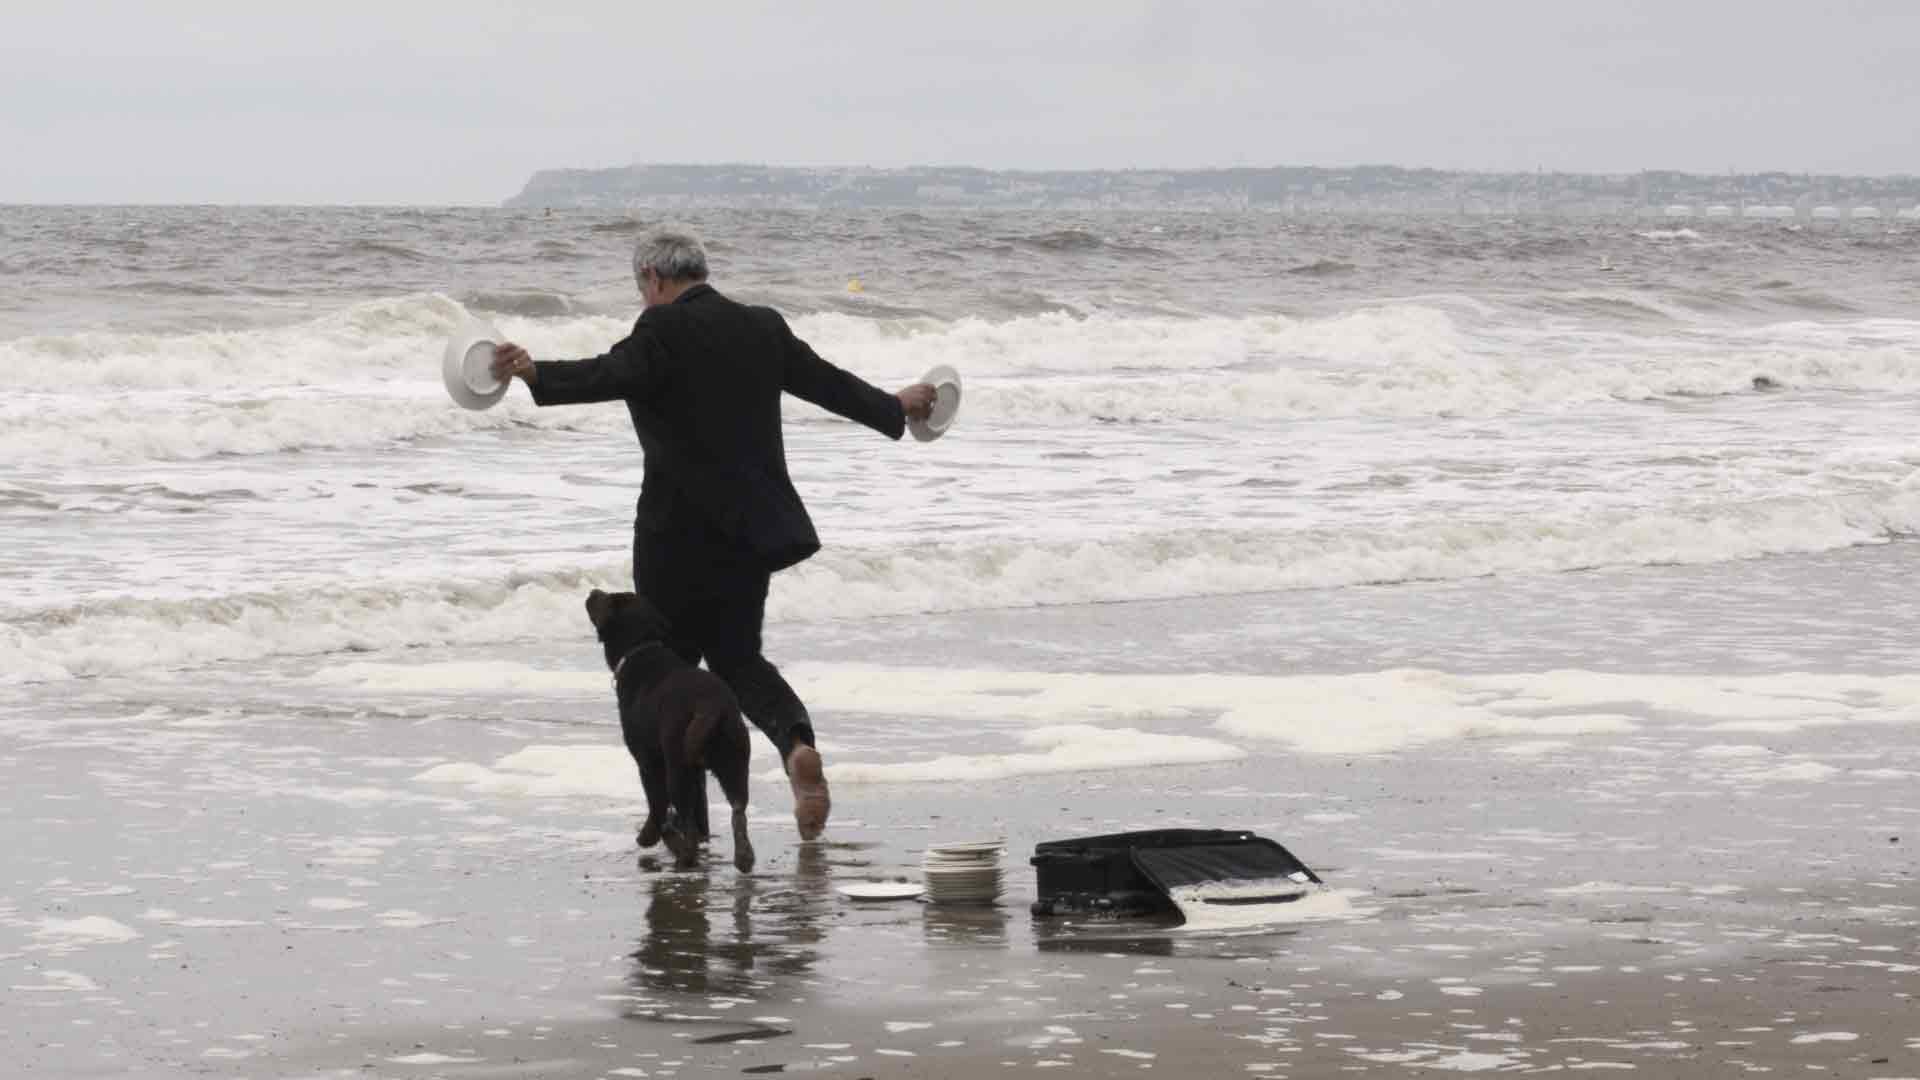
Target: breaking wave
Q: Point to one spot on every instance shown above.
(368, 375)
(124, 635)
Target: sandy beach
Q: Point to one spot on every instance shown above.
(1570, 857)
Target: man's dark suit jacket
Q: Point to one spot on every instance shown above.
(702, 377)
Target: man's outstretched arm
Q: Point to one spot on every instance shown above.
(843, 393)
(631, 369)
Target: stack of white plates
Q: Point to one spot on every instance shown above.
(963, 873)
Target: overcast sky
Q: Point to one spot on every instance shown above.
(422, 101)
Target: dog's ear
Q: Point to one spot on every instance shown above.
(599, 606)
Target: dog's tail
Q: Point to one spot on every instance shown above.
(711, 720)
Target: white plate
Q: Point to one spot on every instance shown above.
(971, 847)
(946, 404)
(880, 890)
(466, 367)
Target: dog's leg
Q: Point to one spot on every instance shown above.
(731, 770)
(680, 841)
(688, 790)
(653, 781)
(742, 847)
(698, 811)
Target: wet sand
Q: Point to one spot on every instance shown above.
(1624, 1003)
(243, 873)
(757, 977)
(1493, 916)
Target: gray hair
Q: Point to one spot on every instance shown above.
(673, 256)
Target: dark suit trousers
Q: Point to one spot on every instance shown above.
(715, 596)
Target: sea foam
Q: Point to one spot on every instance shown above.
(604, 770)
(131, 634)
(368, 376)
(1085, 722)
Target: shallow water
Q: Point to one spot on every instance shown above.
(257, 461)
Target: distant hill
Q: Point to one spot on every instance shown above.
(1362, 188)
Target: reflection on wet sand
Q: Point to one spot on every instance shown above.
(966, 925)
(715, 940)
(1130, 938)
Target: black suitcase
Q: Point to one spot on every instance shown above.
(1131, 873)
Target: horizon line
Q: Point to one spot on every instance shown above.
(494, 203)
(1538, 170)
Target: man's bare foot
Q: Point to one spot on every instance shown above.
(811, 803)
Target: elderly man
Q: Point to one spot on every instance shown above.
(702, 377)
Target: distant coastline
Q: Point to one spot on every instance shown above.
(1368, 188)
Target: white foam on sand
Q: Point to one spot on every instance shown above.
(1317, 713)
(1057, 749)
(1607, 888)
(604, 770)
(1374, 711)
(58, 982)
(405, 919)
(1474, 1061)
(547, 771)
(168, 917)
(88, 930)
(1535, 748)
(1086, 722)
(1797, 772)
(1447, 1059)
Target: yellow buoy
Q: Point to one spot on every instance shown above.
(853, 285)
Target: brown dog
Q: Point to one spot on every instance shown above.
(679, 722)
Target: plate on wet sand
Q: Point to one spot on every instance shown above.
(467, 367)
(880, 890)
(970, 847)
(946, 404)
(963, 873)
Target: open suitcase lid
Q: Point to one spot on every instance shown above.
(1252, 871)
(1167, 867)
(1133, 841)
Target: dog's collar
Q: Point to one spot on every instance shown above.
(630, 654)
